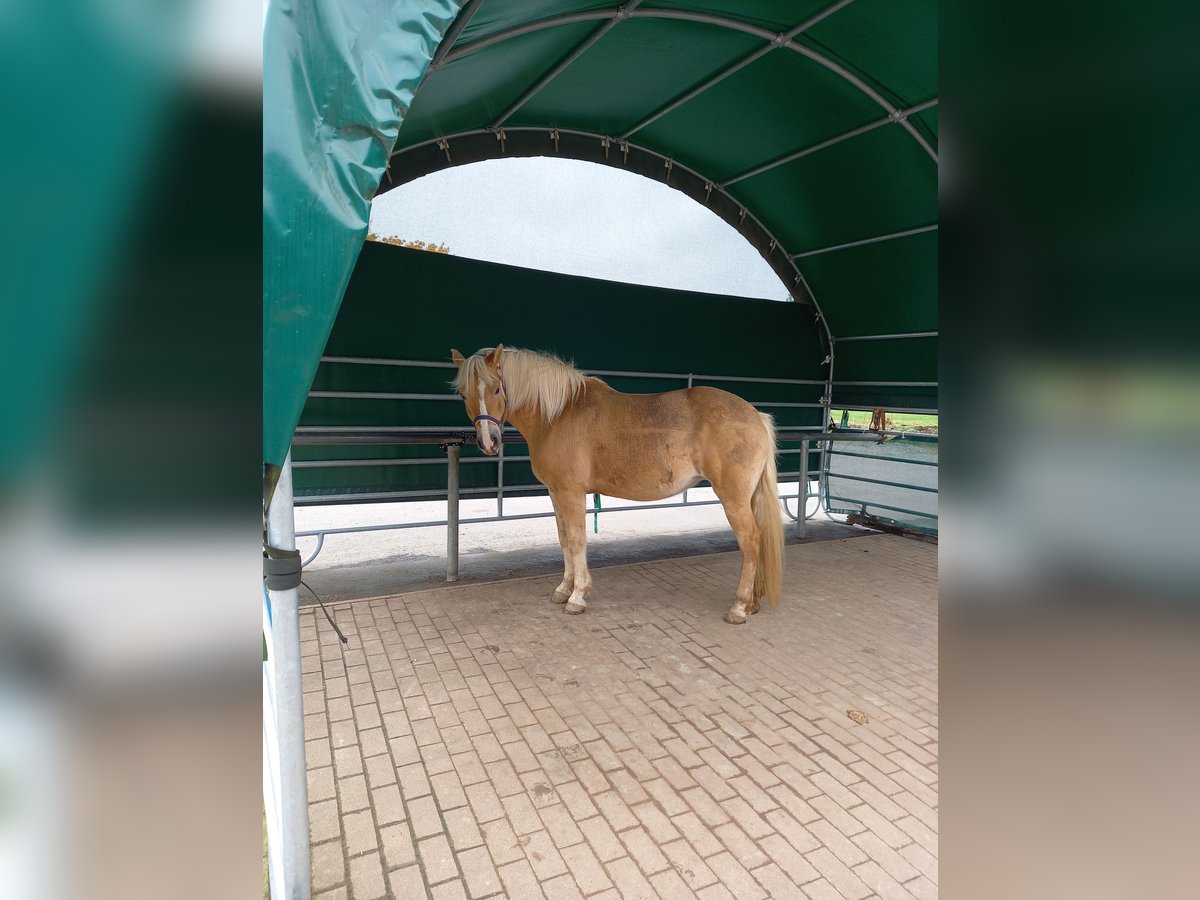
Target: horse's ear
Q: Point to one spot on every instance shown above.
(493, 358)
(457, 358)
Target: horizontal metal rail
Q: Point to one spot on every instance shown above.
(887, 383)
(907, 410)
(886, 337)
(385, 435)
(895, 459)
(376, 361)
(865, 503)
(897, 484)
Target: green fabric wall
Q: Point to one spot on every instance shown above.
(410, 304)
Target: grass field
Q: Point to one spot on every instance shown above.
(896, 421)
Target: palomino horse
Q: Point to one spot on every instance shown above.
(585, 437)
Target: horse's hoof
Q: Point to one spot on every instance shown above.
(560, 597)
(753, 609)
(734, 619)
(573, 609)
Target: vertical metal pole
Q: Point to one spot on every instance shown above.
(452, 454)
(289, 703)
(802, 492)
(500, 480)
(826, 411)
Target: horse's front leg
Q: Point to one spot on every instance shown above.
(562, 593)
(568, 509)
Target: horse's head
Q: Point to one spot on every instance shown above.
(481, 385)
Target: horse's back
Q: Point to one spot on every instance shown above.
(650, 446)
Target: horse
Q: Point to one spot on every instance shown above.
(585, 437)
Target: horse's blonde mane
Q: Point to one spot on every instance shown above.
(532, 381)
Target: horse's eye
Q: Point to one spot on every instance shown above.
(497, 392)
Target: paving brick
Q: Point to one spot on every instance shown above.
(880, 826)
(922, 888)
(837, 873)
(479, 873)
(888, 859)
(521, 813)
(630, 881)
(669, 885)
(644, 850)
(542, 855)
(360, 832)
(562, 888)
(589, 874)
(688, 864)
(716, 786)
(744, 850)
(922, 860)
(366, 877)
(616, 811)
(920, 833)
(328, 865)
(601, 838)
(796, 835)
(519, 880)
(658, 825)
(699, 835)
(561, 825)
(880, 882)
(407, 883)
(436, 858)
(463, 829)
(449, 890)
(323, 821)
(501, 841)
(448, 791)
(734, 876)
(424, 817)
(397, 845)
(387, 805)
(352, 794)
(485, 803)
(776, 882)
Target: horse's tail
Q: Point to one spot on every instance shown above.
(768, 575)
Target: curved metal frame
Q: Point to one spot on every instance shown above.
(780, 39)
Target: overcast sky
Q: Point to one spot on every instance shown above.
(578, 218)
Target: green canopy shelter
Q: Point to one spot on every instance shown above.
(809, 126)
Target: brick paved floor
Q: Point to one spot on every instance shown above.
(473, 741)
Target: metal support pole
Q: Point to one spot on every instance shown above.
(452, 455)
(295, 869)
(500, 481)
(802, 493)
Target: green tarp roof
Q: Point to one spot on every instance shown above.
(806, 125)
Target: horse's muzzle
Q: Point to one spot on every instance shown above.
(489, 443)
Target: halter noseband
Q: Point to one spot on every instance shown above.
(483, 418)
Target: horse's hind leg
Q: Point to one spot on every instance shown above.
(741, 519)
(568, 509)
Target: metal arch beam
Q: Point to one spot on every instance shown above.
(438, 154)
(461, 21)
(735, 68)
(707, 19)
(622, 14)
(899, 116)
(871, 240)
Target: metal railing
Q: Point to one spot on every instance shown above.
(883, 505)
(453, 439)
